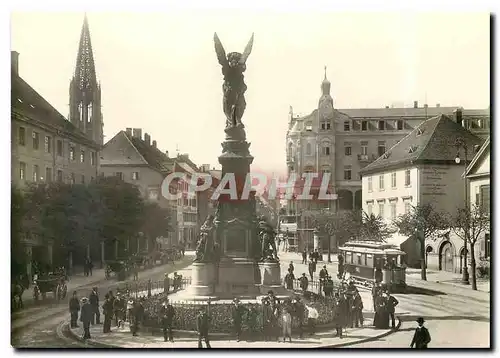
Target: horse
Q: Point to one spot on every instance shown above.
(17, 291)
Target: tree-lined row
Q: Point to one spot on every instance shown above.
(421, 222)
(77, 218)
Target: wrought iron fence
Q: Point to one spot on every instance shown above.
(152, 288)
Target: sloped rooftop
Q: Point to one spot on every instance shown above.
(432, 141)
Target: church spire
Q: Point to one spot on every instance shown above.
(85, 69)
(85, 91)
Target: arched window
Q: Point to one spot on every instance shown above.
(308, 149)
(325, 148)
(290, 150)
(89, 113)
(80, 111)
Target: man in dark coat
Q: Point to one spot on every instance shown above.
(298, 313)
(107, 311)
(237, 312)
(289, 278)
(422, 337)
(340, 313)
(203, 327)
(357, 310)
(323, 274)
(312, 268)
(86, 315)
(167, 314)
(304, 256)
(268, 320)
(137, 312)
(304, 282)
(392, 302)
(74, 308)
(94, 302)
(340, 259)
(118, 309)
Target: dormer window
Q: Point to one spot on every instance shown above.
(20, 100)
(347, 126)
(412, 149)
(309, 127)
(386, 155)
(420, 131)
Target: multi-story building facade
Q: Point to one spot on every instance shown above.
(420, 169)
(137, 160)
(46, 147)
(448, 253)
(187, 203)
(343, 141)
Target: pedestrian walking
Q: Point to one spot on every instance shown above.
(94, 302)
(252, 317)
(86, 315)
(392, 302)
(166, 283)
(323, 274)
(286, 321)
(268, 320)
(304, 282)
(312, 268)
(291, 268)
(357, 310)
(340, 312)
(118, 309)
(340, 259)
(167, 314)
(237, 311)
(422, 337)
(74, 308)
(304, 256)
(289, 278)
(107, 311)
(203, 327)
(299, 314)
(376, 291)
(137, 315)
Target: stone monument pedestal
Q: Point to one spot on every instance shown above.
(237, 278)
(202, 279)
(270, 274)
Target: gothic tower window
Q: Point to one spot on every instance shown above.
(89, 113)
(80, 111)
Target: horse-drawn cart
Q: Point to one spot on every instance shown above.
(54, 283)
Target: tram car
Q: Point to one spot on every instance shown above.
(368, 262)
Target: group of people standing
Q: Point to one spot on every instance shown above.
(384, 305)
(117, 307)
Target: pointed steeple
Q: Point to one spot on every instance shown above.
(85, 76)
(85, 91)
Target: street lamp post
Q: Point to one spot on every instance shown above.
(460, 143)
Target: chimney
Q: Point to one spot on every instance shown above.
(147, 138)
(129, 132)
(386, 107)
(438, 105)
(205, 168)
(154, 144)
(476, 148)
(457, 113)
(185, 155)
(426, 105)
(166, 153)
(14, 62)
(137, 132)
(415, 104)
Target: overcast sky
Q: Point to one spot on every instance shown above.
(159, 71)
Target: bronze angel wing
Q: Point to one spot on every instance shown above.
(219, 50)
(248, 50)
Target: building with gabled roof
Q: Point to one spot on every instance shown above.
(344, 141)
(420, 169)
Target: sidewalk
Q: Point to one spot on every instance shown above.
(448, 283)
(124, 339)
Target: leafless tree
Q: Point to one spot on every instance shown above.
(422, 221)
(475, 222)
